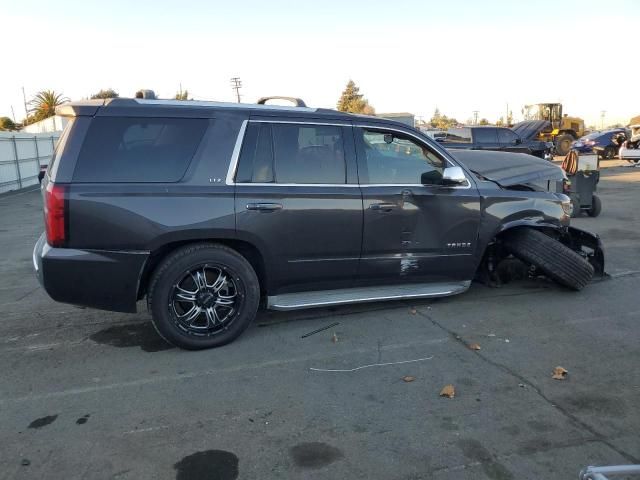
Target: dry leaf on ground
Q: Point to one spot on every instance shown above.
(334, 338)
(559, 373)
(413, 310)
(408, 378)
(448, 391)
(474, 346)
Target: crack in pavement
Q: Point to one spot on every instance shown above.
(585, 426)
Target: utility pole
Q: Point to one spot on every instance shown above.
(24, 99)
(13, 114)
(475, 117)
(602, 113)
(236, 84)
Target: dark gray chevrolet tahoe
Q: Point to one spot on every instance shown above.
(208, 209)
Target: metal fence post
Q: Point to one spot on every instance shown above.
(35, 141)
(15, 154)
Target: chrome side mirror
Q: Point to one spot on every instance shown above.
(453, 176)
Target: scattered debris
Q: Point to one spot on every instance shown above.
(522, 385)
(448, 391)
(372, 365)
(320, 330)
(474, 346)
(491, 335)
(559, 373)
(25, 462)
(334, 338)
(408, 378)
(413, 310)
(506, 340)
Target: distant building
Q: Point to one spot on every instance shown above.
(402, 117)
(48, 125)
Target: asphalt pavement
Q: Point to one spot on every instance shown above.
(92, 394)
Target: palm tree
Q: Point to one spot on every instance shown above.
(44, 103)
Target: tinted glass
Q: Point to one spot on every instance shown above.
(484, 135)
(459, 135)
(395, 159)
(127, 149)
(506, 136)
(308, 154)
(256, 160)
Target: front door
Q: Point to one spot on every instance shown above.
(297, 200)
(415, 229)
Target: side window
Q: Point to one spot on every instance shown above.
(392, 158)
(458, 135)
(506, 136)
(129, 149)
(484, 135)
(308, 154)
(255, 164)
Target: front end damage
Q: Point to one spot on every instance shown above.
(588, 245)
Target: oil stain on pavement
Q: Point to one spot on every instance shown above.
(141, 335)
(43, 421)
(208, 465)
(314, 454)
(83, 420)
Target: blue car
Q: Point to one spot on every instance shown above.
(605, 142)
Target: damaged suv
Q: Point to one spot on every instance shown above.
(209, 209)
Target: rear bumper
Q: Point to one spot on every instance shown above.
(93, 278)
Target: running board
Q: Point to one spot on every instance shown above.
(325, 298)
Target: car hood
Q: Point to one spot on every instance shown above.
(507, 168)
(529, 129)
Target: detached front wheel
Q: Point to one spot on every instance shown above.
(203, 296)
(555, 260)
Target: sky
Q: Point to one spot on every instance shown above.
(414, 56)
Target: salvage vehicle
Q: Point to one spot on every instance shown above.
(493, 138)
(210, 209)
(605, 142)
(630, 149)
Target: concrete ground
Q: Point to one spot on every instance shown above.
(91, 394)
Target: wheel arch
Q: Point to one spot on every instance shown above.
(250, 252)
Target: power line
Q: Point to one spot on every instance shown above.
(236, 84)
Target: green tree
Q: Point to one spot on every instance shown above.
(44, 105)
(441, 121)
(7, 124)
(500, 122)
(510, 119)
(484, 121)
(108, 93)
(353, 101)
(182, 95)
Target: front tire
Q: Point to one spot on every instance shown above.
(555, 260)
(202, 296)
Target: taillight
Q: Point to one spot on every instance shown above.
(55, 215)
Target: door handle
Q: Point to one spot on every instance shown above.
(264, 207)
(382, 207)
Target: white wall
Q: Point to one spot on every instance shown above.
(21, 155)
(51, 124)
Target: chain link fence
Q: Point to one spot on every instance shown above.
(21, 156)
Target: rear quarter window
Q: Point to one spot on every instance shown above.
(458, 135)
(132, 149)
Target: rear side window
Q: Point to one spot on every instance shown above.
(130, 149)
(458, 135)
(288, 153)
(485, 135)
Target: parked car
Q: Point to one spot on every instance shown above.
(208, 209)
(605, 142)
(630, 149)
(494, 138)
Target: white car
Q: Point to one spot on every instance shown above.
(630, 150)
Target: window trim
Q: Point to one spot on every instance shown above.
(235, 156)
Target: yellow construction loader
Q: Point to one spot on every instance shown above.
(561, 129)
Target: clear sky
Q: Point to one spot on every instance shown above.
(405, 55)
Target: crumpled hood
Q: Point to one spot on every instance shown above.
(508, 168)
(529, 129)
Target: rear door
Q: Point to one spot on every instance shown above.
(298, 200)
(485, 138)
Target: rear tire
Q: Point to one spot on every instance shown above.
(555, 260)
(563, 144)
(596, 206)
(203, 295)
